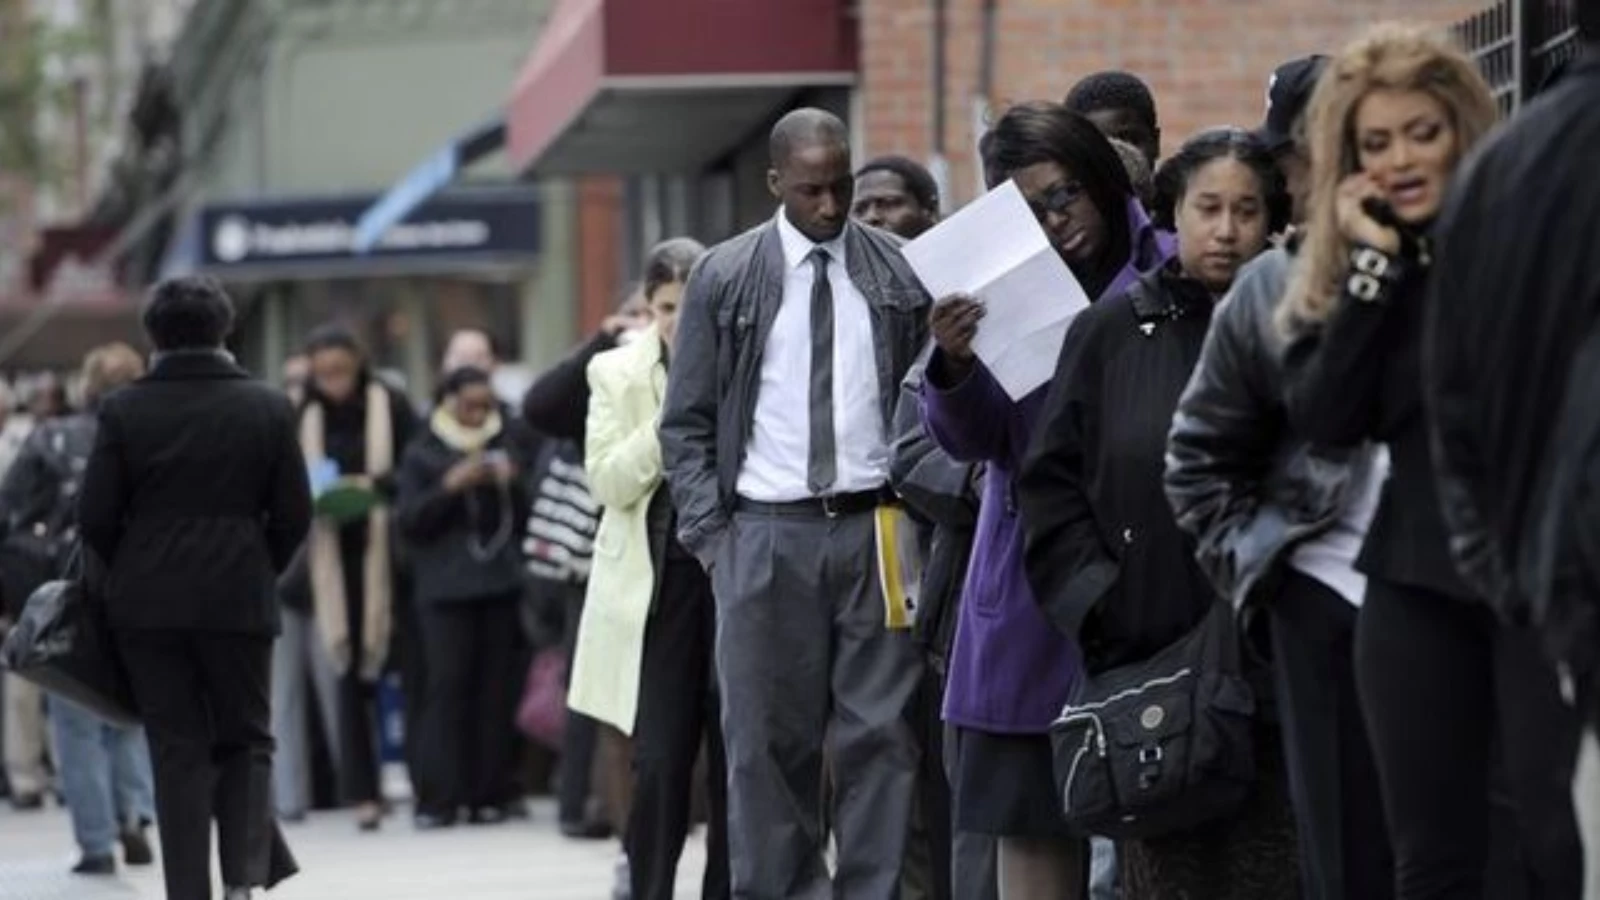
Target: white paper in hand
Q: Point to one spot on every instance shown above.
(995, 250)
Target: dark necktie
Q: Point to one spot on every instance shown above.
(821, 463)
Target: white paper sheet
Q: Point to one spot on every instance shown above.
(995, 250)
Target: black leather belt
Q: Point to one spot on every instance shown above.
(830, 507)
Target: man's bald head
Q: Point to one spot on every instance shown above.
(470, 348)
(808, 127)
(811, 174)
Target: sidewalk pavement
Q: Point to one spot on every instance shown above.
(522, 860)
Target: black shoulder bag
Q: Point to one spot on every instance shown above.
(1159, 746)
(62, 643)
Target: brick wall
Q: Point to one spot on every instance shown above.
(1206, 60)
(599, 245)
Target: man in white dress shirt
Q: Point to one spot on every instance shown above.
(793, 340)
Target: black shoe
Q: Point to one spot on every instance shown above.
(586, 831)
(516, 809)
(27, 802)
(488, 815)
(136, 848)
(433, 821)
(236, 893)
(96, 865)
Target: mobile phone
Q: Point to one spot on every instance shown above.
(494, 457)
(1381, 212)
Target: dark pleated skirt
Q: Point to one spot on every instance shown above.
(1004, 786)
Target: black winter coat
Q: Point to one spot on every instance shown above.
(345, 442)
(1091, 489)
(1244, 485)
(466, 545)
(557, 403)
(1512, 366)
(195, 497)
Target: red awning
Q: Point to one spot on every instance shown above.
(648, 86)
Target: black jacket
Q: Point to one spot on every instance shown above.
(345, 442)
(195, 497)
(1243, 484)
(943, 496)
(39, 506)
(557, 403)
(1358, 378)
(729, 307)
(465, 545)
(1091, 490)
(1512, 354)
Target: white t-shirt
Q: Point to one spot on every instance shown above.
(1330, 557)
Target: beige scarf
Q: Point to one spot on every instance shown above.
(459, 437)
(327, 568)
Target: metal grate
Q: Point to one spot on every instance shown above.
(1554, 42)
(1519, 44)
(1491, 36)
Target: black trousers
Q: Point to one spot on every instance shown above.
(472, 693)
(1441, 682)
(678, 712)
(408, 657)
(358, 699)
(358, 740)
(206, 703)
(1344, 844)
(927, 870)
(581, 739)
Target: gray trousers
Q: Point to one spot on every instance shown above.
(299, 658)
(803, 656)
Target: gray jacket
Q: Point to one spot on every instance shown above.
(728, 310)
(943, 495)
(1241, 483)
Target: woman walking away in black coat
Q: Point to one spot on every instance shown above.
(1441, 681)
(1100, 534)
(461, 504)
(195, 498)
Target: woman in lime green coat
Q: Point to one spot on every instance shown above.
(644, 656)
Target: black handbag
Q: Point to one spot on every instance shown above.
(62, 643)
(1159, 746)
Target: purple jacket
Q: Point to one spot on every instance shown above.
(1011, 669)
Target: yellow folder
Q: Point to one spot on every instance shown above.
(899, 566)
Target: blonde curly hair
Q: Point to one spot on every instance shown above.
(1392, 56)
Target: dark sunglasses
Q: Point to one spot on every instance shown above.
(1059, 200)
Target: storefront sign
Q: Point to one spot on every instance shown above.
(499, 223)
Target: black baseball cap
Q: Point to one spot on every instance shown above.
(1288, 94)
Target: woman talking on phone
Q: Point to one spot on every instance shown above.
(462, 509)
(1440, 679)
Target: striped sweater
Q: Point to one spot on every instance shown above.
(562, 522)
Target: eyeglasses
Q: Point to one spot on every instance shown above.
(1059, 200)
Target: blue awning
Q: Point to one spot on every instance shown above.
(433, 175)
